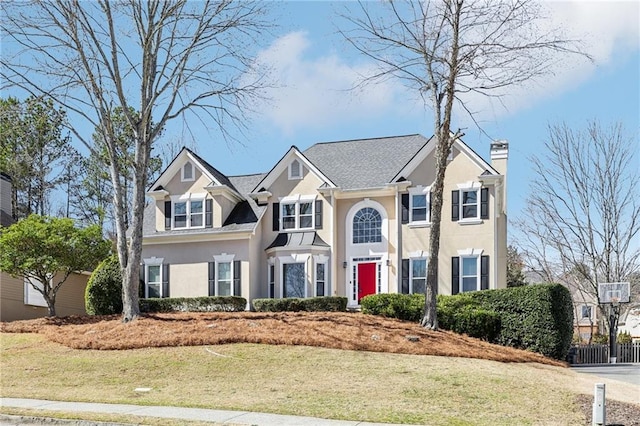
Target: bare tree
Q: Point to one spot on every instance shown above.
(445, 50)
(162, 59)
(582, 223)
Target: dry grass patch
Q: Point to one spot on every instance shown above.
(347, 331)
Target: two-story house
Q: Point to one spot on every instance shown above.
(347, 218)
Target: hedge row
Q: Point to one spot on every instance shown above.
(535, 317)
(313, 304)
(194, 304)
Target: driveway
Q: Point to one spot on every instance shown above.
(629, 373)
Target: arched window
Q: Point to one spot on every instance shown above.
(187, 171)
(367, 226)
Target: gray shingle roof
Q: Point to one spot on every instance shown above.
(364, 163)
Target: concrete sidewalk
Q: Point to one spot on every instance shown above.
(198, 414)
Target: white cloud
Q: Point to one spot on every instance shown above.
(312, 92)
(609, 32)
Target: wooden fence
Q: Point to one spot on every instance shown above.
(599, 354)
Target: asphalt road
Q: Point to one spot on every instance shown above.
(629, 373)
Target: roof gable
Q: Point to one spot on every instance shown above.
(216, 177)
(282, 165)
(430, 146)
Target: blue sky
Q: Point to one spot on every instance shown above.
(314, 69)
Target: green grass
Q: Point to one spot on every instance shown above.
(327, 383)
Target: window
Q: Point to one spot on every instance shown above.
(586, 311)
(32, 296)
(321, 269)
(154, 281)
(469, 275)
(272, 281)
(298, 214)
(224, 279)
(419, 200)
(469, 204)
(188, 214)
(295, 170)
(187, 172)
(294, 284)
(367, 226)
(418, 278)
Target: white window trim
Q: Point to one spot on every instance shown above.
(420, 190)
(297, 200)
(152, 261)
(582, 308)
(300, 170)
(295, 258)
(477, 259)
(469, 186)
(188, 198)
(33, 297)
(224, 258)
(193, 173)
(321, 259)
(411, 260)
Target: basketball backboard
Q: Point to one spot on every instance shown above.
(614, 292)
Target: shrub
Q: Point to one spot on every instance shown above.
(624, 337)
(103, 294)
(194, 304)
(292, 304)
(406, 307)
(474, 322)
(599, 339)
(535, 317)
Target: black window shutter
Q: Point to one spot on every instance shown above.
(143, 286)
(430, 206)
(276, 217)
(208, 213)
(455, 275)
(272, 279)
(484, 272)
(212, 278)
(165, 280)
(484, 203)
(237, 279)
(405, 276)
(167, 215)
(318, 214)
(455, 205)
(405, 208)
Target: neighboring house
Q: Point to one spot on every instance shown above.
(348, 218)
(630, 321)
(18, 299)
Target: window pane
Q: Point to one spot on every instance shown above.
(320, 271)
(419, 201)
(419, 215)
(469, 284)
(154, 290)
(306, 221)
(180, 221)
(469, 197)
(419, 267)
(180, 208)
(288, 222)
(224, 271)
(306, 208)
(153, 274)
(470, 211)
(294, 279)
(469, 266)
(196, 207)
(367, 226)
(224, 288)
(419, 285)
(288, 209)
(196, 220)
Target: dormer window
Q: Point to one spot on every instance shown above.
(295, 170)
(187, 172)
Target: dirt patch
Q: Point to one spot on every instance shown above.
(350, 331)
(617, 413)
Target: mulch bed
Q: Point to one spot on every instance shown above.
(617, 413)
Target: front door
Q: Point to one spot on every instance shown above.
(366, 279)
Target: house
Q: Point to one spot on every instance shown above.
(18, 299)
(348, 218)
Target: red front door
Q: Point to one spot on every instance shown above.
(366, 279)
